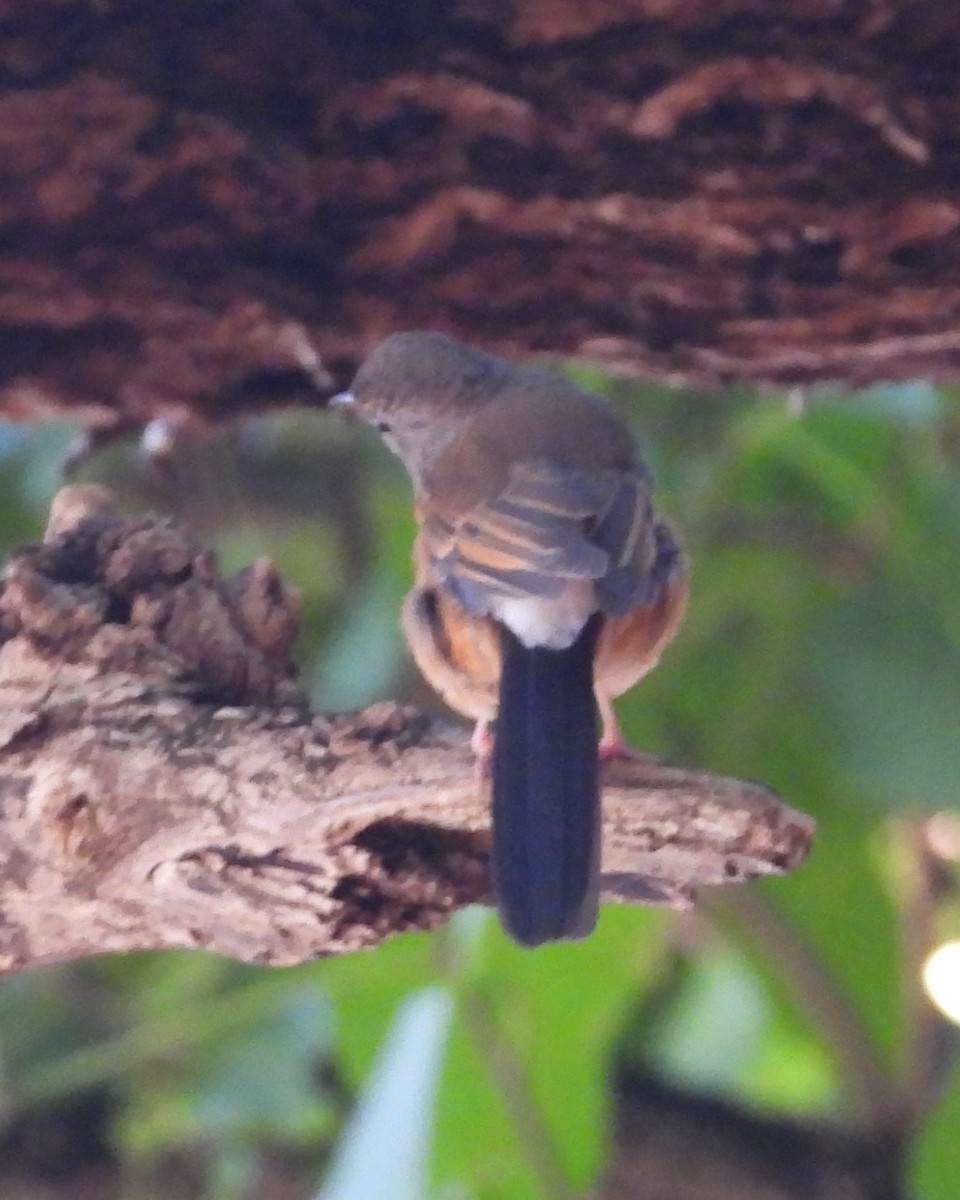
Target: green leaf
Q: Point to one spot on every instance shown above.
(718, 993)
(767, 1056)
(933, 1166)
(841, 909)
(527, 1072)
(363, 656)
(889, 677)
(366, 989)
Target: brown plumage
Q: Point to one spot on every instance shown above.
(459, 654)
(543, 576)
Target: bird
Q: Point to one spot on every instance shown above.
(545, 584)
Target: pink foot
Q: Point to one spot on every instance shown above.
(616, 749)
(612, 747)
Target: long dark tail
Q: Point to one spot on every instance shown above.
(546, 795)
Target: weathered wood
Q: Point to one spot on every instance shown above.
(211, 209)
(163, 782)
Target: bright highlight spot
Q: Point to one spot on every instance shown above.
(941, 978)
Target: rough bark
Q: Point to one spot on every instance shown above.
(211, 208)
(163, 782)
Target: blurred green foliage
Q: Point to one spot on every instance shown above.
(821, 655)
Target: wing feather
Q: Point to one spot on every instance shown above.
(551, 524)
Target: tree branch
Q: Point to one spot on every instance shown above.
(209, 210)
(163, 782)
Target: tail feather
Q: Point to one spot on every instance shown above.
(546, 796)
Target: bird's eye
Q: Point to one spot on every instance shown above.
(383, 426)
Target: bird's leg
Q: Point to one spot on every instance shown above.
(481, 743)
(612, 745)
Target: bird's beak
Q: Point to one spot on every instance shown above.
(342, 402)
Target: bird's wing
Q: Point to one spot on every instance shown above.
(627, 530)
(551, 523)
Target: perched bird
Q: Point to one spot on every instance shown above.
(545, 585)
